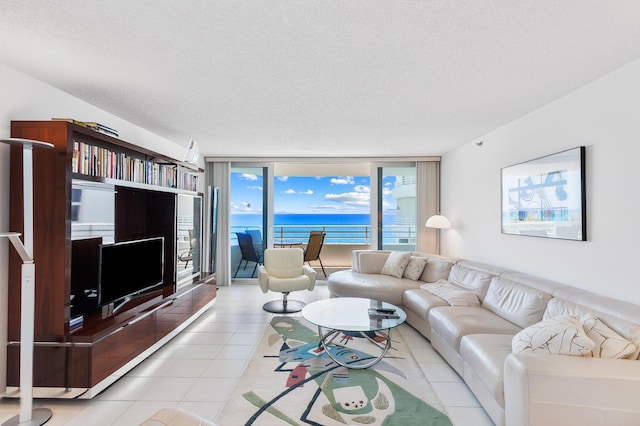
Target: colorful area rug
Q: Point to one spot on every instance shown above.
(290, 382)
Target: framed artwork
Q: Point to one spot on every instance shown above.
(545, 197)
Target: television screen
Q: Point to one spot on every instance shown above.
(85, 267)
(128, 268)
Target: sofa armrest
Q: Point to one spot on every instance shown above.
(369, 261)
(548, 389)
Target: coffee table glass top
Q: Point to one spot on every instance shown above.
(351, 314)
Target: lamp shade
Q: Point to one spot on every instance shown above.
(438, 221)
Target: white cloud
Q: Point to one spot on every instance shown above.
(249, 176)
(282, 178)
(307, 192)
(350, 198)
(290, 191)
(257, 187)
(343, 180)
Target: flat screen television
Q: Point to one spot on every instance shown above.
(128, 269)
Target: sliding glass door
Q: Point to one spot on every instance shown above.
(249, 218)
(397, 207)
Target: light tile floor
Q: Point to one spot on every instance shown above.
(198, 369)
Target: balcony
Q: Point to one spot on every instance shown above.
(340, 241)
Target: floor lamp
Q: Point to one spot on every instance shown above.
(438, 222)
(27, 416)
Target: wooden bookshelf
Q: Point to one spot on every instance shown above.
(80, 361)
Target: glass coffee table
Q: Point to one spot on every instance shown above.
(352, 315)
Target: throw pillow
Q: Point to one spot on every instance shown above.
(415, 267)
(557, 336)
(607, 343)
(436, 269)
(396, 263)
(452, 294)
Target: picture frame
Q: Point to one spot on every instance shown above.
(546, 197)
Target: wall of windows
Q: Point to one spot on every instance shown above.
(361, 205)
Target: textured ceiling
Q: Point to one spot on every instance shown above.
(323, 78)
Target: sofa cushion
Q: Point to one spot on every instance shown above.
(415, 267)
(452, 323)
(421, 302)
(373, 286)
(556, 336)
(626, 328)
(436, 269)
(396, 263)
(515, 302)
(471, 280)
(607, 343)
(452, 294)
(484, 355)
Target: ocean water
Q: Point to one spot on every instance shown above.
(290, 228)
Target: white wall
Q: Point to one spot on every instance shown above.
(604, 116)
(23, 98)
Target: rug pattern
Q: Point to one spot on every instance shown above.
(291, 381)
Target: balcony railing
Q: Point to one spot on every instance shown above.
(337, 234)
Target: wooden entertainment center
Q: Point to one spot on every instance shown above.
(80, 358)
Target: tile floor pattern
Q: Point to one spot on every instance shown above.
(198, 369)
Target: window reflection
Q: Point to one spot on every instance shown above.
(189, 237)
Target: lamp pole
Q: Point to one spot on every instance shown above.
(27, 416)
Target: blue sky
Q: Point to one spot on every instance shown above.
(307, 194)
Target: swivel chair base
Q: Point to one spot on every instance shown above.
(284, 306)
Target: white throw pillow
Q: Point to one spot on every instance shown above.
(396, 263)
(452, 294)
(607, 343)
(557, 336)
(415, 267)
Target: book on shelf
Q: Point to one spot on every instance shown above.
(93, 160)
(100, 128)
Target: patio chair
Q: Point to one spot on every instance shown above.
(249, 254)
(187, 255)
(314, 247)
(258, 243)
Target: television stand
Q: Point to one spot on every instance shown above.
(100, 351)
(128, 302)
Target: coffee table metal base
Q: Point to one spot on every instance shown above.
(327, 338)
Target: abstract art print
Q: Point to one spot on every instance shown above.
(545, 197)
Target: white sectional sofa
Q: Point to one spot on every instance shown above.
(523, 388)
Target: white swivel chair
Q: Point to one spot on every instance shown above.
(284, 271)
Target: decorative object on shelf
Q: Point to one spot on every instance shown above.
(27, 415)
(546, 197)
(193, 153)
